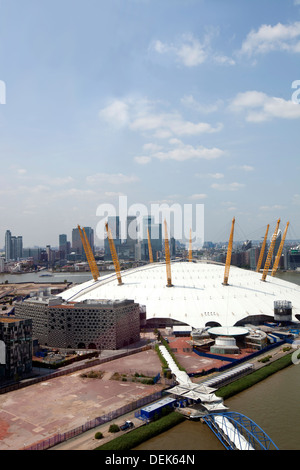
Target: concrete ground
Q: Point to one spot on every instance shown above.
(58, 405)
(61, 404)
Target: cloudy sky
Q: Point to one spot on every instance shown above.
(162, 101)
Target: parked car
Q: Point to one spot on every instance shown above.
(126, 425)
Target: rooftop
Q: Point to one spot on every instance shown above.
(198, 296)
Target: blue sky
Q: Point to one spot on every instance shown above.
(163, 101)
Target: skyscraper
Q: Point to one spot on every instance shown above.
(63, 246)
(13, 247)
(155, 233)
(77, 243)
(8, 256)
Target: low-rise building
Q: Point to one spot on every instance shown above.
(89, 324)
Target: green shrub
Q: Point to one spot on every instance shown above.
(114, 428)
(98, 435)
(137, 436)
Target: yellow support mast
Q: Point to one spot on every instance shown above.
(190, 248)
(262, 251)
(229, 252)
(94, 264)
(149, 247)
(89, 256)
(168, 260)
(278, 256)
(114, 254)
(270, 253)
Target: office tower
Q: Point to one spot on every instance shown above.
(90, 236)
(155, 233)
(13, 247)
(114, 226)
(63, 246)
(76, 242)
(77, 246)
(8, 256)
(125, 248)
(19, 248)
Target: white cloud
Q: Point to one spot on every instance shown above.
(186, 152)
(190, 102)
(227, 187)
(142, 160)
(165, 125)
(190, 52)
(116, 113)
(61, 181)
(140, 115)
(198, 196)
(216, 176)
(246, 168)
(272, 38)
(110, 178)
(272, 208)
(260, 107)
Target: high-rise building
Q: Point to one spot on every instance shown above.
(125, 248)
(8, 256)
(155, 233)
(63, 246)
(13, 247)
(77, 246)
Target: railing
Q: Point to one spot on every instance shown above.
(238, 432)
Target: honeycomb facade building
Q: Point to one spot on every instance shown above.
(90, 324)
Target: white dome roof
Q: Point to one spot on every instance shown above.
(197, 296)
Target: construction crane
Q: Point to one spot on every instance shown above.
(190, 248)
(270, 253)
(278, 256)
(89, 254)
(168, 261)
(149, 247)
(262, 251)
(114, 254)
(228, 257)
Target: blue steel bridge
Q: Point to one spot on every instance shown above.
(238, 432)
(234, 430)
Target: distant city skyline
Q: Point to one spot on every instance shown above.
(174, 101)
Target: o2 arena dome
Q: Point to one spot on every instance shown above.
(197, 296)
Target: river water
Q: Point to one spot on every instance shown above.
(38, 277)
(272, 404)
